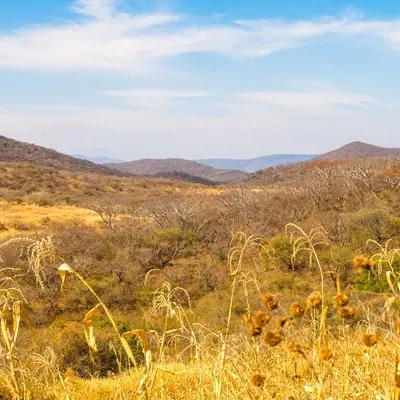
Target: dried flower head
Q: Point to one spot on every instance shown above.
(295, 347)
(325, 354)
(369, 339)
(296, 310)
(256, 322)
(272, 338)
(283, 322)
(341, 300)
(269, 301)
(314, 300)
(397, 380)
(258, 380)
(346, 312)
(361, 262)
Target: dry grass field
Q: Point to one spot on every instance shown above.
(284, 288)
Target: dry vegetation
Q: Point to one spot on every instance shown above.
(161, 298)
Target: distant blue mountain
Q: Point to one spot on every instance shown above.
(255, 164)
(99, 160)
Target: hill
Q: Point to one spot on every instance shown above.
(183, 176)
(256, 164)
(21, 152)
(152, 167)
(360, 150)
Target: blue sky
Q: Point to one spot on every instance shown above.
(197, 79)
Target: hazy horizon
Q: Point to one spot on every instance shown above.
(197, 80)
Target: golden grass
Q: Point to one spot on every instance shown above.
(328, 351)
(25, 218)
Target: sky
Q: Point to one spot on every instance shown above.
(195, 79)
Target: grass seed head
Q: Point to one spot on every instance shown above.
(272, 338)
(346, 312)
(270, 302)
(341, 300)
(369, 339)
(258, 380)
(296, 310)
(314, 300)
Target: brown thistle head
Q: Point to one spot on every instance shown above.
(283, 322)
(258, 380)
(314, 300)
(369, 339)
(362, 263)
(325, 354)
(346, 312)
(256, 322)
(295, 347)
(340, 300)
(269, 301)
(296, 310)
(272, 339)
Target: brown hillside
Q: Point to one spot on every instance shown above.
(15, 151)
(151, 167)
(360, 150)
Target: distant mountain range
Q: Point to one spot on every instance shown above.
(256, 164)
(208, 172)
(21, 152)
(161, 167)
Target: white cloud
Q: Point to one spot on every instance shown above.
(155, 97)
(109, 39)
(307, 99)
(101, 9)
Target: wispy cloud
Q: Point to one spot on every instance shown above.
(101, 37)
(155, 97)
(307, 99)
(101, 9)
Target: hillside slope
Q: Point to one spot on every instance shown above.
(360, 150)
(256, 164)
(21, 152)
(151, 167)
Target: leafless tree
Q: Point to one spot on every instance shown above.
(109, 211)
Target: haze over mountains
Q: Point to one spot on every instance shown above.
(255, 164)
(98, 160)
(161, 167)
